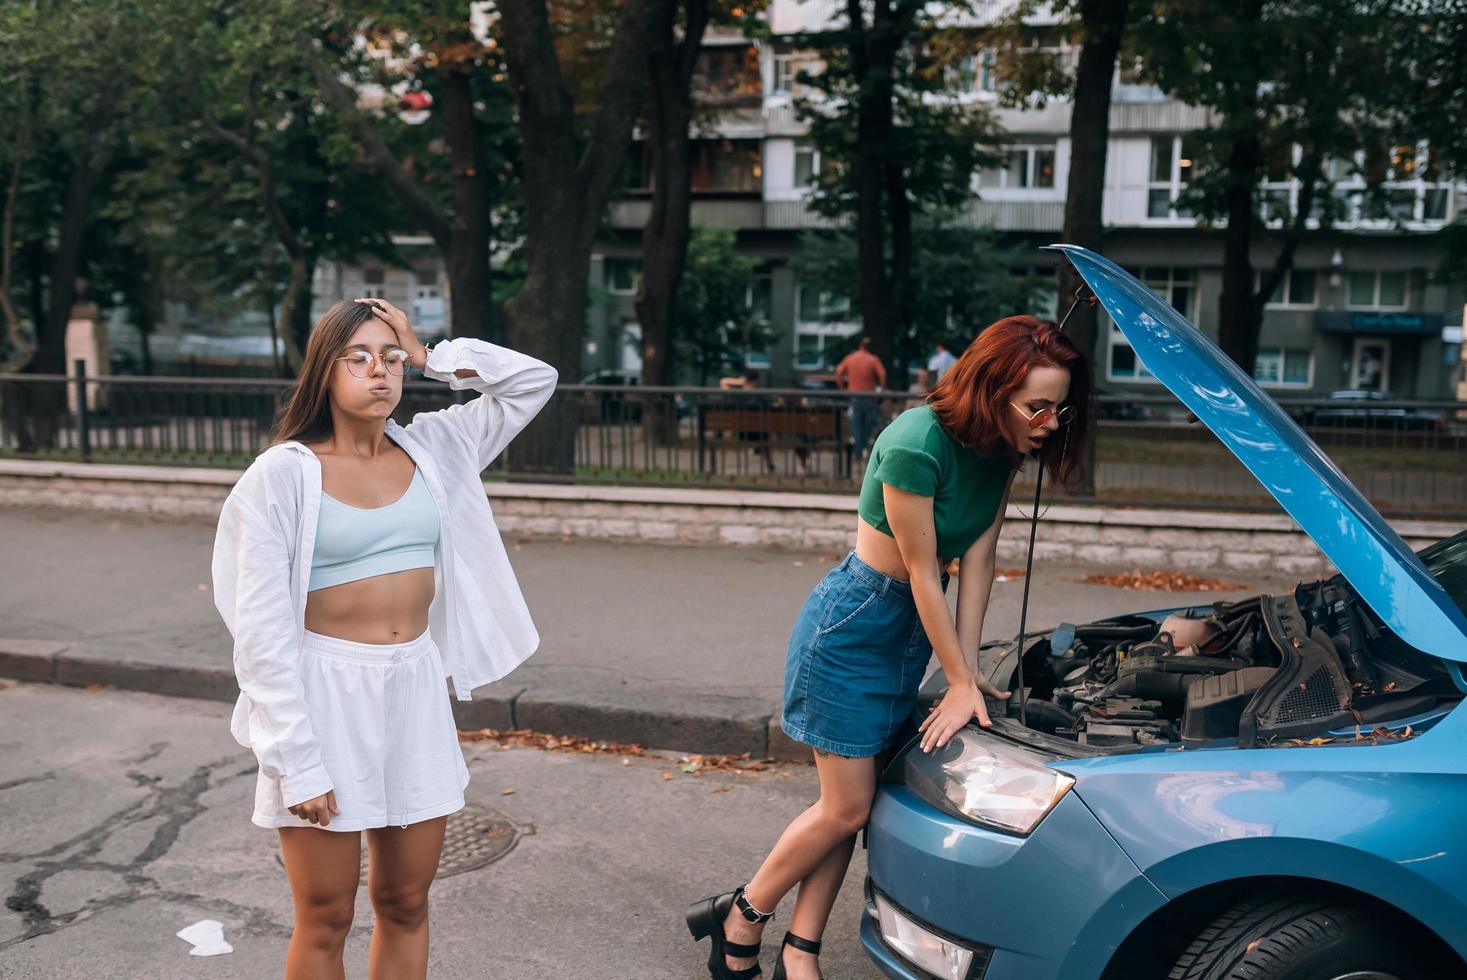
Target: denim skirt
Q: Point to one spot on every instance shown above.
(856, 658)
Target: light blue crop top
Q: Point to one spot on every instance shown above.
(359, 542)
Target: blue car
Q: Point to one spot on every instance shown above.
(1272, 789)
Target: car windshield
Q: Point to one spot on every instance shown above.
(1447, 561)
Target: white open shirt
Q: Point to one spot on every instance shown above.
(267, 532)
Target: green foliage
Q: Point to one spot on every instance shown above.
(961, 282)
(940, 142)
(713, 324)
(1302, 73)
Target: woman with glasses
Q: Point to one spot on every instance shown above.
(935, 489)
(357, 564)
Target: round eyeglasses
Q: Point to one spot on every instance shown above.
(1039, 419)
(360, 362)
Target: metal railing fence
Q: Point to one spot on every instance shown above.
(1409, 458)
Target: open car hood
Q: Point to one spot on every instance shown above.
(1371, 555)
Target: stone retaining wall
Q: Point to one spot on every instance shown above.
(1092, 535)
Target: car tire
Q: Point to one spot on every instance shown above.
(1297, 938)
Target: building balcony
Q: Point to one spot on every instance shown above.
(752, 213)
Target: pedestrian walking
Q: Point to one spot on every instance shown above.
(936, 489)
(940, 363)
(356, 564)
(861, 370)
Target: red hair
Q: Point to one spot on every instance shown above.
(972, 399)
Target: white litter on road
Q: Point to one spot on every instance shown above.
(207, 937)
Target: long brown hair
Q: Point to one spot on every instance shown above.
(972, 399)
(306, 414)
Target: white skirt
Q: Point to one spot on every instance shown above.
(381, 714)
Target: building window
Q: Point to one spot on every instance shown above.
(374, 275)
(428, 312)
(623, 276)
(1282, 367)
(1123, 364)
(727, 166)
(1171, 170)
(728, 74)
(818, 306)
(807, 164)
(1176, 285)
(822, 326)
(1298, 287)
(1377, 290)
(787, 69)
(1024, 167)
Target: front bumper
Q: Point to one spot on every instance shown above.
(1051, 906)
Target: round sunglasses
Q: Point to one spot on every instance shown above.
(1037, 420)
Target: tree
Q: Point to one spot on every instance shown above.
(432, 48)
(894, 146)
(714, 327)
(960, 283)
(73, 72)
(1295, 89)
(672, 56)
(570, 166)
(1032, 74)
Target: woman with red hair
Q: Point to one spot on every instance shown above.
(935, 489)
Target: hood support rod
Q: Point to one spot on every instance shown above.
(1082, 295)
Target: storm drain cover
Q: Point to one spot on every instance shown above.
(477, 836)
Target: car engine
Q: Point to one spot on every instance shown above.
(1263, 670)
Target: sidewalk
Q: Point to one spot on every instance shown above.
(674, 647)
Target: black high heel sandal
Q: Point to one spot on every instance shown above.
(705, 918)
(798, 942)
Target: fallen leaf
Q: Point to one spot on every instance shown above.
(666, 776)
(798, 564)
(95, 687)
(1163, 581)
(1253, 945)
(1407, 732)
(4, 686)
(506, 792)
(203, 586)
(1389, 687)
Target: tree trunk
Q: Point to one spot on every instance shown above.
(66, 261)
(1239, 317)
(669, 226)
(295, 309)
(567, 183)
(873, 59)
(466, 252)
(1104, 24)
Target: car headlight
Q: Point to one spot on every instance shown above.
(983, 779)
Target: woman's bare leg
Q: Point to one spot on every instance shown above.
(401, 863)
(813, 903)
(324, 867)
(847, 787)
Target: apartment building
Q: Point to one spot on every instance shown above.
(1359, 310)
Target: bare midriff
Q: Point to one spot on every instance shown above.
(390, 608)
(880, 551)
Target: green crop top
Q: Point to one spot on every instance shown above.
(916, 454)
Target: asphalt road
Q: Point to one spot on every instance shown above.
(127, 819)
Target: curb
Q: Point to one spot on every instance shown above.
(734, 732)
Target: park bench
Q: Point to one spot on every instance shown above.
(760, 425)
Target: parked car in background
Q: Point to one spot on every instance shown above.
(1354, 408)
(1270, 789)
